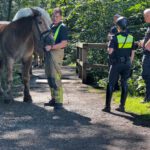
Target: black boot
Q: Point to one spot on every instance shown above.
(108, 98)
(124, 94)
(147, 94)
(50, 103)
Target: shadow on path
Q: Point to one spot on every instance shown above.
(32, 127)
(138, 120)
(28, 126)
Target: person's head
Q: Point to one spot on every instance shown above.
(121, 23)
(147, 15)
(116, 16)
(57, 16)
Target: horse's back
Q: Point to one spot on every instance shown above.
(16, 38)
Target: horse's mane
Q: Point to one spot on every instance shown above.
(26, 12)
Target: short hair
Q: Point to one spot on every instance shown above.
(147, 11)
(57, 10)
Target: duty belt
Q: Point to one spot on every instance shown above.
(119, 60)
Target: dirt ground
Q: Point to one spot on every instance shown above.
(81, 126)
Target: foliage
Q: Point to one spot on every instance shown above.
(134, 106)
(90, 21)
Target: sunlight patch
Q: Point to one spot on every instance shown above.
(18, 134)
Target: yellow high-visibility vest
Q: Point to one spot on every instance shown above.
(56, 32)
(125, 42)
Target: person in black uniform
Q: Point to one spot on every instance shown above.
(121, 53)
(114, 31)
(146, 57)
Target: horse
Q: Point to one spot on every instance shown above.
(17, 42)
(3, 24)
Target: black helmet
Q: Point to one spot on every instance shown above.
(122, 22)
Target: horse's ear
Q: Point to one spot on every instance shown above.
(36, 12)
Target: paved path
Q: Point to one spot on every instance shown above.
(81, 126)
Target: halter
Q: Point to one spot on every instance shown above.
(43, 35)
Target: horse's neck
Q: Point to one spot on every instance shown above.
(2, 26)
(23, 27)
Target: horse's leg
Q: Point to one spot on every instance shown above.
(30, 70)
(8, 92)
(41, 60)
(35, 59)
(26, 79)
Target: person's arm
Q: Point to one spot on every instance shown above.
(111, 45)
(60, 45)
(112, 32)
(147, 45)
(134, 47)
(63, 35)
(109, 36)
(132, 55)
(110, 50)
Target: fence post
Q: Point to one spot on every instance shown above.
(80, 60)
(77, 58)
(84, 60)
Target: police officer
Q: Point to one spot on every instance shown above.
(120, 50)
(112, 32)
(54, 62)
(146, 57)
(113, 29)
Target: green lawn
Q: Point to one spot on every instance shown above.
(133, 105)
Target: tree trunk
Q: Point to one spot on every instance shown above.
(9, 9)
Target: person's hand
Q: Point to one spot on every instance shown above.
(48, 47)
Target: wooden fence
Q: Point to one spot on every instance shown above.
(82, 61)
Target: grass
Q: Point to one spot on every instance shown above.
(133, 105)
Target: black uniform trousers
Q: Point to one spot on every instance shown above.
(146, 75)
(116, 70)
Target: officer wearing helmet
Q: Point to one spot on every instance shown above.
(113, 29)
(121, 53)
(111, 33)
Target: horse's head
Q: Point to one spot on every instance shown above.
(42, 21)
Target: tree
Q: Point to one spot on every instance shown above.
(9, 9)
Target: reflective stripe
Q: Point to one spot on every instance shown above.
(56, 32)
(121, 39)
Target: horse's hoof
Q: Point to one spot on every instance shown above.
(27, 99)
